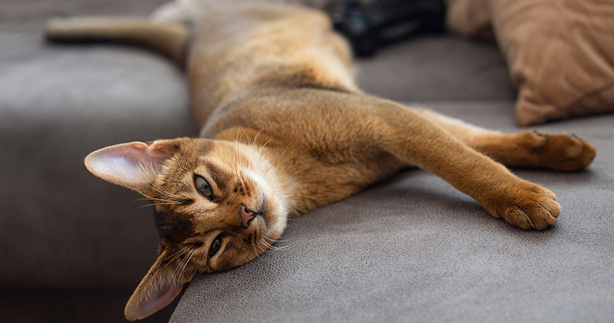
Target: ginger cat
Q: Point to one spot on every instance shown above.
(286, 130)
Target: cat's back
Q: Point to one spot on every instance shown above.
(235, 47)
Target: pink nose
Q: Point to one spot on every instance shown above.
(246, 216)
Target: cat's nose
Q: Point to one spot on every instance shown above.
(246, 216)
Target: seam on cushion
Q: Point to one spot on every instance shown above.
(595, 30)
(567, 54)
(598, 3)
(537, 91)
(565, 58)
(590, 95)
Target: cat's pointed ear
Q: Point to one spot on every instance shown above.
(133, 165)
(159, 287)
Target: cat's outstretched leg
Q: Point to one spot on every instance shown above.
(527, 149)
(412, 136)
(169, 38)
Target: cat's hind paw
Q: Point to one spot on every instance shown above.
(561, 152)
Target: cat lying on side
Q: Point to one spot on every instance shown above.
(285, 130)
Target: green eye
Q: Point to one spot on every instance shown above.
(215, 246)
(203, 187)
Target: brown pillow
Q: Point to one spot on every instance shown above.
(560, 53)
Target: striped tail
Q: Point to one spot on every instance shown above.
(167, 38)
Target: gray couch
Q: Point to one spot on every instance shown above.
(409, 249)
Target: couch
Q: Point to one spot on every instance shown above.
(408, 249)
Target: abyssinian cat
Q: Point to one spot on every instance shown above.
(285, 130)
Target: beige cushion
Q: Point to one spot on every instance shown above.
(560, 52)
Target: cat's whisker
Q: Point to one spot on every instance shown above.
(174, 256)
(268, 237)
(166, 202)
(278, 240)
(261, 148)
(165, 193)
(149, 197)
(286, 246)
(255, 251)
(264, 242)
(252, 151)
(187, 261)
(177, 269)
(177, 254)
(290, 245)
(255, 245)
(155, 204)
(152, 199)
(237, 157)
(182, 265)
(238, 131)
(241, 164)
(156, 201)
(256, 137)
(268, 245)
(259, 246)
(275, 248)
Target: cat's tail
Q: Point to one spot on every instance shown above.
(165, 37)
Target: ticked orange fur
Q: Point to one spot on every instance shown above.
(285, 130)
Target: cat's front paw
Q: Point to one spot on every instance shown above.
(558, 151)
(525, 205)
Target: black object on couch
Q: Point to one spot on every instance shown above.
(368, 26)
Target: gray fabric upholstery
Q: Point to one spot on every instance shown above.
(442, 68)
(409, 249)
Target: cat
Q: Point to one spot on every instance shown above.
(285, 129)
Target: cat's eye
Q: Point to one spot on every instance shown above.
(203, 187)
(215, 246)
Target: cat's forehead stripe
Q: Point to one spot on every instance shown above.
(221, 177)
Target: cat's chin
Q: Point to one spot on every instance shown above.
(274, 217)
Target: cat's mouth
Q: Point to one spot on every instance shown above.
(248, 216)
(263, 210)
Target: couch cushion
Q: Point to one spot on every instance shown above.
(413, 249)
(560, 52)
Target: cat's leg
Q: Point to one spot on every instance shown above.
(527, 149)
(168, 38)
(411, 136)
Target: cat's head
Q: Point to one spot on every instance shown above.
(217, 207)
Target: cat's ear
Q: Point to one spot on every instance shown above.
(159, 287)
(133, 165)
